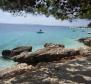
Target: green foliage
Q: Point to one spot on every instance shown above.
(60, 9)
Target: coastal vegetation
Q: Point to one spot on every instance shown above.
(54, 63)
(60, 9)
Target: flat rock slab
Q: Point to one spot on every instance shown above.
(48, 54)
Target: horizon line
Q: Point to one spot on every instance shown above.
(39, 25)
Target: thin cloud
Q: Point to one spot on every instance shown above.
(6, 17)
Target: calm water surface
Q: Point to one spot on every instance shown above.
(12, 36)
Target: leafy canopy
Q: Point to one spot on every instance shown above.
(60, 9)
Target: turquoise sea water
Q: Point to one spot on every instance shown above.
(12, 36)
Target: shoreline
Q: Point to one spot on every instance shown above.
(36, 49)
(26, 51)
(65, 71)
(53, 64)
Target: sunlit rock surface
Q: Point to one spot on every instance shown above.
(55, 65)
(70, 72)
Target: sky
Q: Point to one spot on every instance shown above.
(9, 18)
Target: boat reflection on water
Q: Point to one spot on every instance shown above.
(40, 31)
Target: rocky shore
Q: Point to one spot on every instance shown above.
(86, 41)
(50, 52)
(53, 64)
(76, 71)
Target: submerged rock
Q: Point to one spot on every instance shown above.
(16, 51)
(86, 41)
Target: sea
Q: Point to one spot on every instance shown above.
(14, 35)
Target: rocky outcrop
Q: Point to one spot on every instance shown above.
(76, 71)
(86, 41)
(16, 51)
(17, 70)
(50, 52)
(49, 68)
(45, 55)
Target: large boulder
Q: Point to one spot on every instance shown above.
(16, 51)
(47, 54)
(86, 41)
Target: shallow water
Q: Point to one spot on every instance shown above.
(6, 63)
(12, 36)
